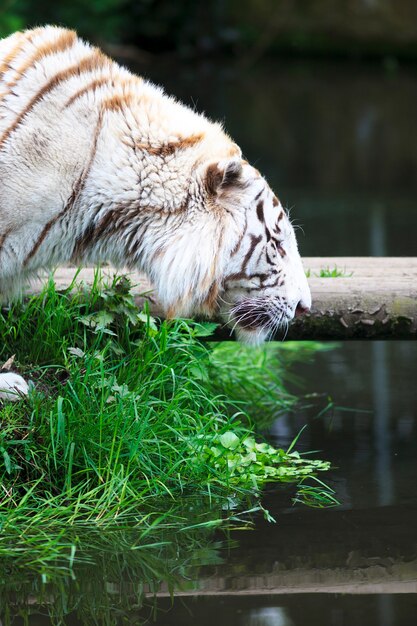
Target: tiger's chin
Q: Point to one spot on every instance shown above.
(256, 320)
(252, 336)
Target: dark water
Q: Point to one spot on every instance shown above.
(339, 145)
(371, 431)
(355, 564)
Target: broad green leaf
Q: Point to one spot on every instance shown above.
(229, 440)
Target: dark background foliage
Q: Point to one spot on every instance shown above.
(358, 28)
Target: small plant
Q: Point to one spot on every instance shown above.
(250, 463)
(326, 272)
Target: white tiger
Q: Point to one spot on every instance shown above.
(97, 164)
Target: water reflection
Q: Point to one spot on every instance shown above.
(299, 610)
(370, 430)
(107, 576)
(267, 616)
(382, 407)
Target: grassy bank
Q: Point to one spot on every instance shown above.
(125, 417)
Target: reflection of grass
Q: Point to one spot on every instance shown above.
(326, 272)
(124, 412)
(316, 493)
(257, 380)
(102, 577)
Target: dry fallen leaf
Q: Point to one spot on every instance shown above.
(9, 363)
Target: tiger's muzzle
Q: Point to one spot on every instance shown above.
(260, 318)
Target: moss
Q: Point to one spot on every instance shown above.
(353, 326)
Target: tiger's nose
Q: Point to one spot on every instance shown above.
(301, 309)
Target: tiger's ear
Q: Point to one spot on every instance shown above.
(223, 175)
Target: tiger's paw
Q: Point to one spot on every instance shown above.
(12, 387)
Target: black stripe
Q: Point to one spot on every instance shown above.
(260, 211)
(276, 283)
(254, 242)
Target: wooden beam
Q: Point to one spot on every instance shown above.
(374, 298)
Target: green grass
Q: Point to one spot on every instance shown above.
(126, 417)
(327, 272)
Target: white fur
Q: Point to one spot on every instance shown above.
(12, 387)
(97, 164)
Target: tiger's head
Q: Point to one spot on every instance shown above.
(234, 253)
(263, 284)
